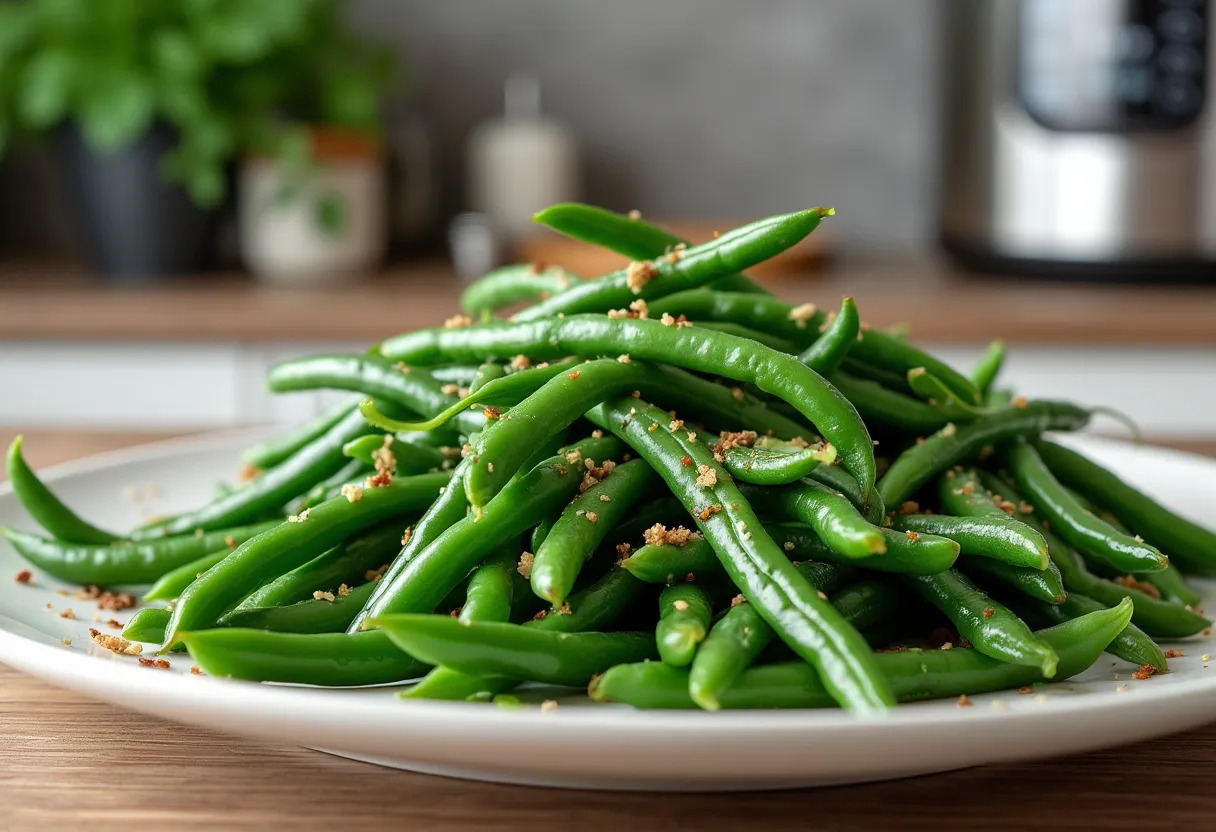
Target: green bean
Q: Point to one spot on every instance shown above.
(127, 561)
(511, 284)
(501, 392)
(406, 457)
(1131, 645)
(171, 584)
(991, 627)
(775, 462)
(999, 538)
(934, 391)
(773, 342)
(686, 269)
(1172, 585)
(879, 405)
(487, 372)
(461, 375)
(148, 625)
(346, 563)
(48, 510)
(408, 388)
(737, 639)
(798, 325)
(628, 236)
(437, 567)
(754, 563)
(988, 367)
(449, 508)
(496, 649)
(492, 587)
(318, 460)
(1191, 546)
(913, 674)
(271, 452)
(1044, 585)
(1072, 522)
(583, 525)
(833, 477)
(684, 615)
(1159, 619)
(592, 608)
(952, 445)
(775, 373)
(291, 544)
(829, 513)
(500, 450)
(323, 659)
(867, 603)
(830, 348)
(314, 615)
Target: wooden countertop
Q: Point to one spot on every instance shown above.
(66, 762)
(42, 302)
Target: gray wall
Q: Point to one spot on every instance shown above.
(714, 108)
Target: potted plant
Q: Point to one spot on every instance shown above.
(150, 103)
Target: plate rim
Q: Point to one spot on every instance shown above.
(46, 660)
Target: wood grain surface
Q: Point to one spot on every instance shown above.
(940, 305)
(68, 762)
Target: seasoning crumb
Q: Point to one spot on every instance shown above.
(592, 517)
(1019, 402)
(343, 590)
(68, 613)
(525, 565)
(680, 604)
(322, 595)
(737, 600)
(458, 322)
(634, 214)
(491, 412)
(564, 609)
(638, 274)
(298, 518)
(911, 535)
(707, 476)
(1174, 654)
(159, 664)
(964, 702)
(802, 314)
(1143, 672)
(988, 613)
(604, 498)
(66, 642)
(196, 670)
(949, 645)
(548, 706)
(623, 358)
(788, 545)
(352, 492)
(1026, 689)
(406, 535)
(25, 576)
(115, 644)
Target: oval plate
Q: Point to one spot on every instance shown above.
(581, 744)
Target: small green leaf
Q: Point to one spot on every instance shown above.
(45, 89)
(116, 108)
(330, 213)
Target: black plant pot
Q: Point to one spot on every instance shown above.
(134, 226)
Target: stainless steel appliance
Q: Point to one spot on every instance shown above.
(1080, 137)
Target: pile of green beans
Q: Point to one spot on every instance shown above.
(659, 484)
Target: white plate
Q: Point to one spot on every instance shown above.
(582, 745)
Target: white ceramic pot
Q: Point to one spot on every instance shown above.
(327, 228)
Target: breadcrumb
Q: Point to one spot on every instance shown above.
(988, 613)
(298, 518)
(25, 576)
(707, 476)
(322, 595)
(679, 604)
(803, 313)
(525, 565)
(548, 706)
(159, 664)
(491, 412)
(196, 670)
(68, 613)
(639, 308)
(352, 492)
(458, 322)
(406, 535)
(115, 644)
(1144, 671)
(737, 600)
(638, 274)
(788, 545)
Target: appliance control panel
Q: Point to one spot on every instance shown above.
(1113, 65)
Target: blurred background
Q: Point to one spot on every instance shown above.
(191, 191)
